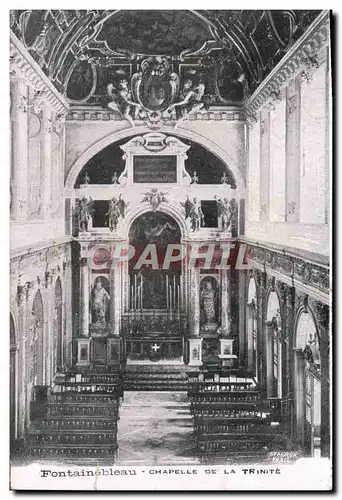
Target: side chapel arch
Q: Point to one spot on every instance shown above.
(273, 346)
(308, 404)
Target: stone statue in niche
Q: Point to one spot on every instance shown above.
(208, 302)
(83, 212)
(100, 302)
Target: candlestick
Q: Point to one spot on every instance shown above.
(170, 301)
(167, 292)
(135, 291)
(142, 289)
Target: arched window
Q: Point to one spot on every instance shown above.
(308, 379)
(251, 321)
(274, 347)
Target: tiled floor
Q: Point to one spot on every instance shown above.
(155, 428)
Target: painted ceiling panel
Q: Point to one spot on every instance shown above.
(223, 55)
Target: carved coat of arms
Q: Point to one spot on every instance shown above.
(155, 86)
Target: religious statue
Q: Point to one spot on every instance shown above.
(115, 179)
(117, 208)
(224, 211)
(100, 302)
(83, 211)
(120, 99)
(196, 215)
(187, 207)
(113, 214)
(154, 198)
(194, 179)
(208, 303)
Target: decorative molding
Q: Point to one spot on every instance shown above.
(23, 66)
(296, 269)
(301, 56)
(97, 113)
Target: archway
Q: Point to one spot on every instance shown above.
(273, 347)
(308, 384)
(57, 351)
(102, 143)
(251, 322)
(153, 321)
(13, 384)
(37, 341)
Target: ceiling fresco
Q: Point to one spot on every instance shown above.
(158, 64)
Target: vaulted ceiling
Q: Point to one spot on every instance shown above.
(81, 51)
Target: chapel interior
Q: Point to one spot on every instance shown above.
(170, 128)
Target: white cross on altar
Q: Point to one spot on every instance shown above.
(155, 347)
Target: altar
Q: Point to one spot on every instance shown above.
(151, 288)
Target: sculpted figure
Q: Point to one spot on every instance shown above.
(100, 302)
(120, 99)
(113, 214)
(191, 99)
(196, 215)
(225, 212)
(83, 212)
(208, 299)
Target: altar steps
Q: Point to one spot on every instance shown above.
(155, 378)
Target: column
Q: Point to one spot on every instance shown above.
(261, 313)
(242, 318)
(49, 333)
(47, 161)
(287, 295)
(225, 304)
(322, 315)
(292, 177)
(84, 296)
(264, 165)
(195, 342)
(194, 303)
(115, 300)
(22, 358)
(67, 306)
(20, 151)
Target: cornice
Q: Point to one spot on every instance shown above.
(299, 57)
(97, 113)
(307, 275)
(23, 63)
(21, 252)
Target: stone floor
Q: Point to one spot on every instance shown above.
(155, 428)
